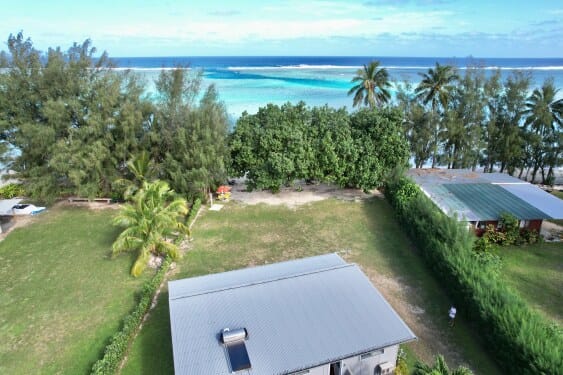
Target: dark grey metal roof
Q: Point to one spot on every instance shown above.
(298, 314)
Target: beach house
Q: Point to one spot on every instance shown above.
(481, 198)
(315, 316)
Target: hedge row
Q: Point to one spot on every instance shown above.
(193, 212)
(117, 348)
(522, 341)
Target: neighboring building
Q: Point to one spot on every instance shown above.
(480, 198)
(315, 316)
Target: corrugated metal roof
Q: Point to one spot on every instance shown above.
(218, 281)
(489, 201)
(425, 176)
(542, 200)
(301, 314)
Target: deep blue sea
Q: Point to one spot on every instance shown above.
(247, 83)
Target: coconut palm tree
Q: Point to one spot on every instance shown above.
(436, 88)
(151, 217)
(544, 117)
(440, 368)
(371, 86)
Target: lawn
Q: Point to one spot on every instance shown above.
(61, 296)
(536, 272)
(366, 233)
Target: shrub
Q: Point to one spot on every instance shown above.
(524, 341)
(193, 212)
(530, 236)
(119, 344)
(12, 190)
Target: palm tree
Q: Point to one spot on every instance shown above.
(544, 117)
(142, 169)
(440, 368)
(371, 87)
(151, 216)
(436, 87)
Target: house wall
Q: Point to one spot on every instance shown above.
(535, 224)
(358, 366)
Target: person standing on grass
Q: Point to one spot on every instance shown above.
(451, 314)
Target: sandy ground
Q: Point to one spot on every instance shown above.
(291, 197)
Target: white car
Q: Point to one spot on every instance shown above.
(27, 209)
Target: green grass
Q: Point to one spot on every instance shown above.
(536, 272)
(242, 236)
(61, 296)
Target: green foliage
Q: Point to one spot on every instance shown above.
(12, 190)
(371, 86)
(439, 368)
(73, 120)
(509, 226)
(77, 123)
(523, 340)
(193, 212)
(530, 236)
(151, 217)
(116, 350)
(281, 144)
(402, 366)
(189, 139)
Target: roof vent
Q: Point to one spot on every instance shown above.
(234, 339)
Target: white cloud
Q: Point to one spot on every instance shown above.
(238, 30)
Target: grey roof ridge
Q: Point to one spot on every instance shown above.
(237, 286)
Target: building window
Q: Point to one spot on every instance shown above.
(524, 223)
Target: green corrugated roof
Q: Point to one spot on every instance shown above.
(488, 201)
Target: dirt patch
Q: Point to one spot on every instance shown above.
(15, 222)
(431, 339)
(299, 194)
(90, 205)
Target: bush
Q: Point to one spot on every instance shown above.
(193, 212)
(12, 190)
(524, 342)
(530, 236)
(119, 344)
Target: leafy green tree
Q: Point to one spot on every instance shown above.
(73, 121)
(150, 220)
(436, 88)
(439, 368)
(332, 145)
(190, 137)
(544, 117)
(272, 147)
(463, 119)
(371, 86)
(380, 145)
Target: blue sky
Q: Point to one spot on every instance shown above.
(482, 28)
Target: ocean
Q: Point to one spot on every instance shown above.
(246, 83)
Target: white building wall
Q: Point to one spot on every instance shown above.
(358, 366)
